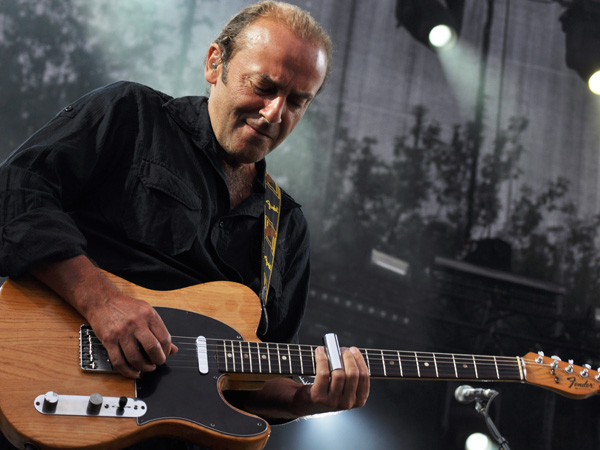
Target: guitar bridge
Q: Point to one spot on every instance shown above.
(93, 356)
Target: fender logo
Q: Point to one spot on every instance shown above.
(576, 385)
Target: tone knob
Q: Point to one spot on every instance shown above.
(50, 401)
(95, 403)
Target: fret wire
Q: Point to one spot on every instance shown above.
(383, 361)
(301, 362)
(250, 357)
(241, 357)
(437, 374)
(475, 367)
(258, 355)
(418, 368)
(225, 356)
(496, 364)
(278, 357)
(289, 357)
(269, 357)
(368, 360)
(400, 364)
(455, 369)
(233, 355)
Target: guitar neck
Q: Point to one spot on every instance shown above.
(293, 359)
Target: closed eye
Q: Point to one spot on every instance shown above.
(261, 90)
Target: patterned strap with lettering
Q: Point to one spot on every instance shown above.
(272, 210)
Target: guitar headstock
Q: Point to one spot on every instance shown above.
(562, 377)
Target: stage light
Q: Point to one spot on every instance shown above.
(442, 36)
(581, 24)
(478, 441)
(594, 83)
(434, 23)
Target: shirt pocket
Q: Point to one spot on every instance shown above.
(161, 210)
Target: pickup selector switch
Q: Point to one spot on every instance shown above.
(122, 404)
(95, 403)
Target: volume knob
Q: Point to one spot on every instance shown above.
(50, 402)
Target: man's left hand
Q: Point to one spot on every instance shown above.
(340, 389)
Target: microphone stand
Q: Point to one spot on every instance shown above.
(481, 406)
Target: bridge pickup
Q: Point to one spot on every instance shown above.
(202, 355)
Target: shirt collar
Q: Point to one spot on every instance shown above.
(191, 114)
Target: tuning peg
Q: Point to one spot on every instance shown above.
(584, 372)
(557, 358)
(569, 368)
(597, 377)
(540, 359)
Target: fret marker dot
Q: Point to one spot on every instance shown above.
(392, 363)
(246, 355)
(284, 357)
(465, 366)
(263, 356)
(426, 364)
(229, 355)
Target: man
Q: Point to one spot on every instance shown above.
(169, 192)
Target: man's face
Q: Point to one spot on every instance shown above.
(271, 80)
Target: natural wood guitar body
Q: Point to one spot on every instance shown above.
(39, 352)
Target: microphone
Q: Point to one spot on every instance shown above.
(468, 394)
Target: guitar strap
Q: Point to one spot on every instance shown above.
(272, 210)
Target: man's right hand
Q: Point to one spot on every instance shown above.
(130, 329)
(133, 334)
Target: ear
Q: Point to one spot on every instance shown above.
(213, 66)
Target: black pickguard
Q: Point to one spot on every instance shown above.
(176, 392)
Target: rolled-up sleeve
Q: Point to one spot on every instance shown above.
(45, 178)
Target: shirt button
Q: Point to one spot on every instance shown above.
(221, 224)
(68, 108)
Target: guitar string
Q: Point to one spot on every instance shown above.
(388, 355)
(412, 373)
(374, 358)
(218, 343)
(408, 370)
(298, 349)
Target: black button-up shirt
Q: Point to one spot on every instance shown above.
(132, 178)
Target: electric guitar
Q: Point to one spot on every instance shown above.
(58, 389)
